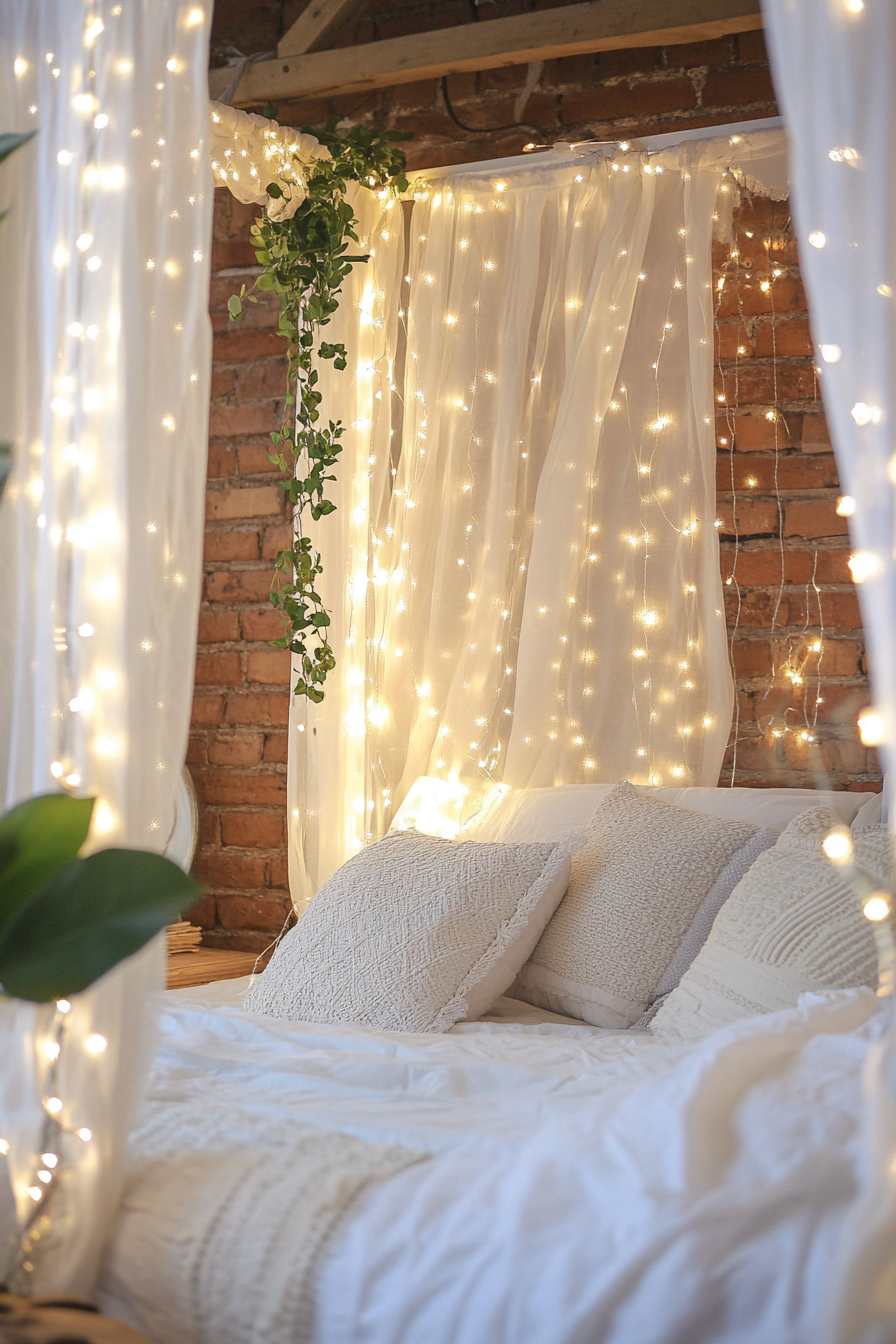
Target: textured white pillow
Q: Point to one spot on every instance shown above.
(633, 893)
(791, 925)
(414, 933)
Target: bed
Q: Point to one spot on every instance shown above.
(529, 1178)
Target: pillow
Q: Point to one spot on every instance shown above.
(633, 893)
(554, 813)
(414, 933)
(791, 925)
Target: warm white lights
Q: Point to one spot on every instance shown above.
(863, 565)
(838, 846)
(817, 239)
(95, 1044)
(864, 414)
(846, 506)
(872, 729)
(831, 354)
(876, 908)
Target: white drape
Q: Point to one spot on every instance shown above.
(835, 73)
(104, 387)
(523, 570)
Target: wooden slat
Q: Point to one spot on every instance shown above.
(207, 964)
(317, 25)
(600, 25)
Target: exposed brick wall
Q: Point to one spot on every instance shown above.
(238, 743)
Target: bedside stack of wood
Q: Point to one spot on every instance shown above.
(189, 963)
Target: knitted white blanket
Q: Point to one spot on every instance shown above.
(247, 1205)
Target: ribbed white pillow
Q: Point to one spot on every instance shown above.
(791, 925)
(414, 933)
(633, 893)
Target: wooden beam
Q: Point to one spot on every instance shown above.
(600, 25)
(317, 25)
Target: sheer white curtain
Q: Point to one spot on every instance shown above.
(523, 569)
(834, 64)
(104, 385)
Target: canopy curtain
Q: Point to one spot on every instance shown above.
(834, 64)
(523, 571)
(104, 389)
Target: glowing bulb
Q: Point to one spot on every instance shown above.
(101, 121)
(64, 157)
(863, 566)
(53, 1105)
(831, 354)
(49, 1159)
(194, 18)
(864, 414)
(93, 263)
(95, 1044)
(846, 506)
(57, 769)
(51, 1049)
(817, 239)
(872, 729)
(63, 1006)
(855, 6)
(84, 1134)
(876, 909)
(86, 630)
(838, 846)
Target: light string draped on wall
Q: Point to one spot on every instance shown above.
(104, 386)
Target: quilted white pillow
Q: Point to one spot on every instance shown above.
(414, 933)
(790, 925)
(633, 893)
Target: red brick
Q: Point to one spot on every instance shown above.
(197, 753)
(643, 99)
(209, 828)
(218, 669)
(221, 460)
(231, 253)
(767, 384)
(258, 625)
(230, 546)
(813, 518)
(757, 434)
(253, 459)
(816, 435)
(226, 787)
(257, 707)
(217, 627)
(220, 869)
(784, 339)
(239, 344)
(203, 914)
(253, 912)
(250, 501)
(208, 710)
(752, 658)
(843, 755)
(251, 417)
(269, 666)
(223, 382)
(266, 379)
(751, 47)
(784, 295)
(738, 88)
(252, 830)
(278, 873)
(276, 748)
(689, 55)
(235, 749)
(276, 539)
(755, 517)
(239, 585)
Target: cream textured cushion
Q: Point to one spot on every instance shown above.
(633, 893)
(414, 933)
(791, 925)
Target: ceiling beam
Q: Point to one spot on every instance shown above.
(317, 25)
(600, 25)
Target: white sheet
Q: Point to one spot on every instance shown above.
(585, 1185)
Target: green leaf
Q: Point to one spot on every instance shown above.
(90, 916)
(37, 839)
(235, 307)
(13, 140)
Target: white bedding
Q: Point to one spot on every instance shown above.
(585, 1186)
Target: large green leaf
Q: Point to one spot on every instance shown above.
(87, 918)
(37, 838)
(11, 140)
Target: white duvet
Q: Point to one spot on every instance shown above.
(583, 1186)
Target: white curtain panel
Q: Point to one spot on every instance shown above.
(523, 571)
(834, 64)
(104, 388)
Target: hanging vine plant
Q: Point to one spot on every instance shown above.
(305, 254)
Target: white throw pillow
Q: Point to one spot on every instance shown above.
(633, 893)
(791, 925)
(414, 933)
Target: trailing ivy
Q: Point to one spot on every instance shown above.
(304, 261)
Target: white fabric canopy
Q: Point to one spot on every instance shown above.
(523, 572)
(835, 73)
(104, 388)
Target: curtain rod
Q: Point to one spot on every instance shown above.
(550, 156)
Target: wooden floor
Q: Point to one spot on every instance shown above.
(207, 964)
